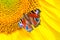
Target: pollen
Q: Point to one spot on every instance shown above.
(11, 11)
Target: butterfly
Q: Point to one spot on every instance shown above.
(29, 19)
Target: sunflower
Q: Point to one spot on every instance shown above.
(12, 10)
